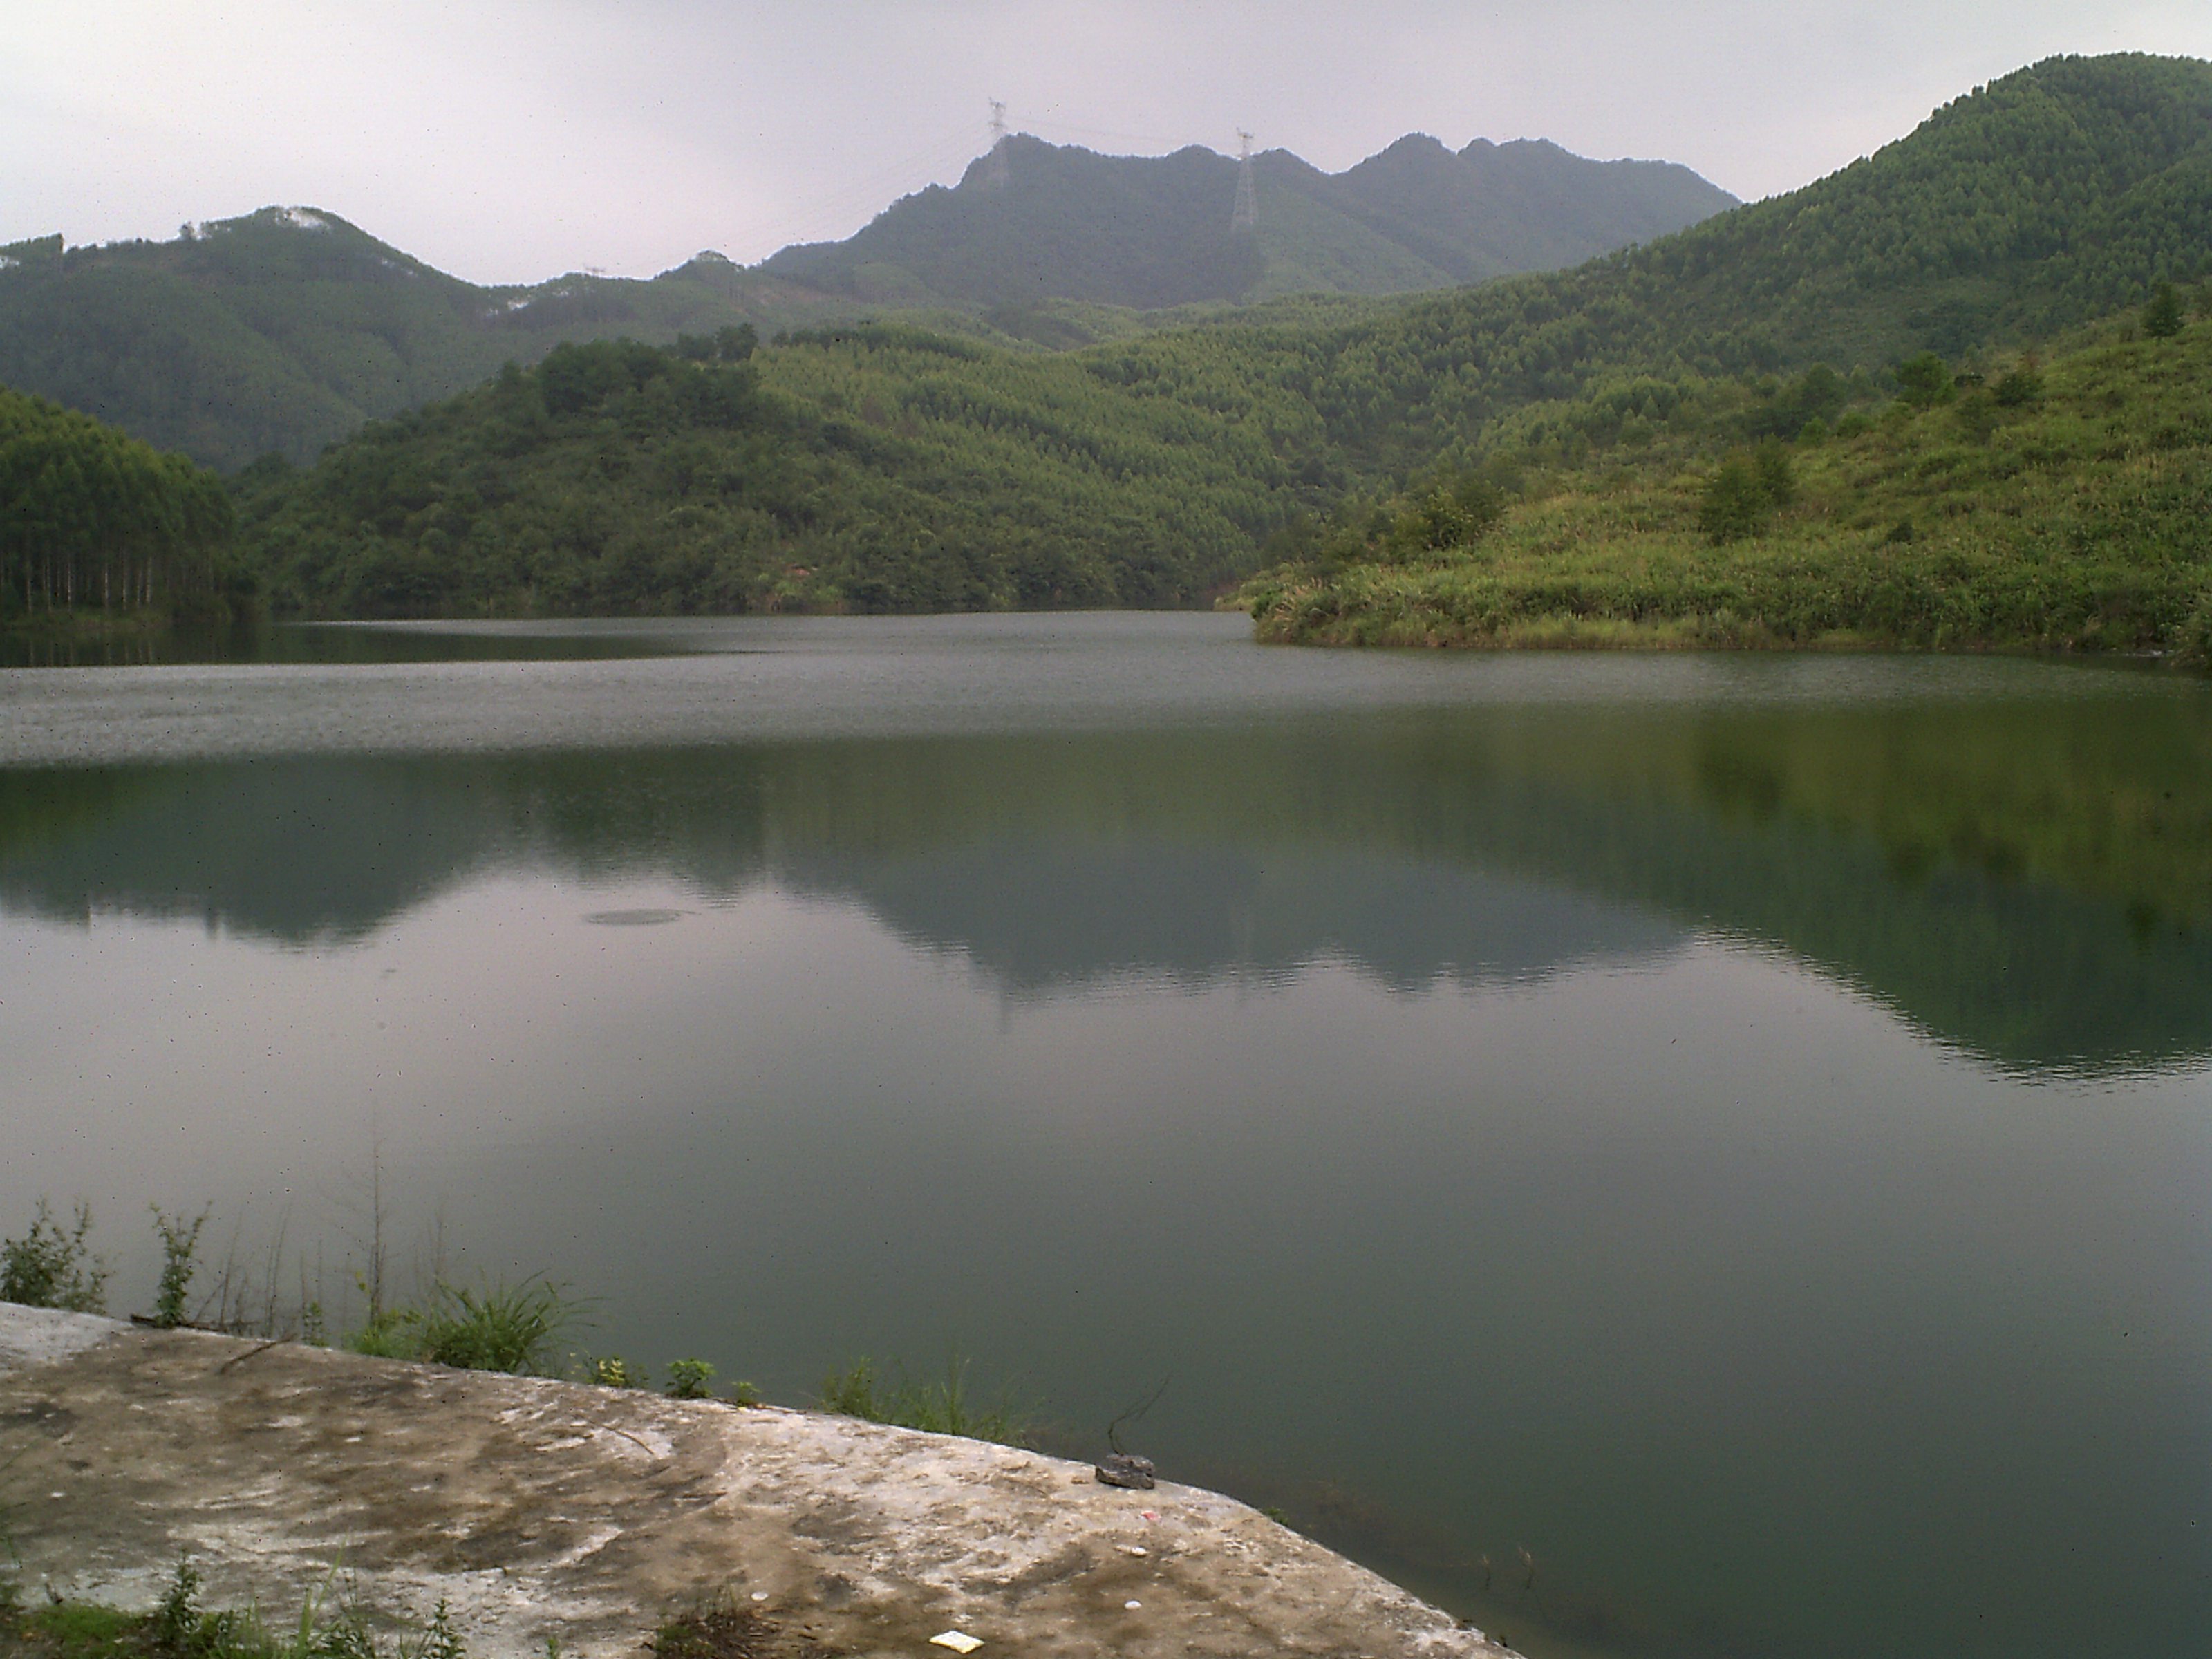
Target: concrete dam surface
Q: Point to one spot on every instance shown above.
(542, 1510)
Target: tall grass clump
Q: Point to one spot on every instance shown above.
(938, 1407)
(498, 1328)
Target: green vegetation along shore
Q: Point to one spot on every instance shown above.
(2060, 505)
(524, 1329)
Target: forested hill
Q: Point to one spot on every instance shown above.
(92, 519)
(1034, 221)
(2062, 192)
(2056, 501)
(872, 469)
(284, 331)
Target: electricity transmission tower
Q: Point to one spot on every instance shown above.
(995, 174)
(1245, 215)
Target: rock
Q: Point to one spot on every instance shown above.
(1122, 1469)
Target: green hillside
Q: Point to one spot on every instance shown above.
(2059, 505)
(913, 471)
(1064, 222)
(281, 332)
(869, 469)
(2052, 197)
(91, 520)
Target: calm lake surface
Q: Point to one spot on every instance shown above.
(1737, 1130)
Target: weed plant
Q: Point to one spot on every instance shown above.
(939, 1407)
(179, 1627)
(720, 1629)
(690, 1379)
(497, 1328)
(52, 1266)
(180, 1242)
(615, 1372)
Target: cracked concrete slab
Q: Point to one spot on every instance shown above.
(539, 1509)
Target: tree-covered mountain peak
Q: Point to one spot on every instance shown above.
(277, 243)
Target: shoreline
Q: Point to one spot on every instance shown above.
(589, 1516)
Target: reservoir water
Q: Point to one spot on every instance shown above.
(1661, 1155)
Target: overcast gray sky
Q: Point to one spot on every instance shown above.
(514, 140)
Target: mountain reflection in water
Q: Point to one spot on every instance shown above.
(1473, 847)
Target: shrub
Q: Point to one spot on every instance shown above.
(2161, 318)
(53, 1267)
(177, 1619)
(497, 1329)
(1734, 503)
(1778, 477)
(2020, 386)
(178, 1627)
(440, 1640)
(1924, 382)
(1977, 415)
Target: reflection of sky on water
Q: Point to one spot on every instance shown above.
(1723, 1290)
(1412, 850)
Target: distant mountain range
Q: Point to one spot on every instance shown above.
(284, 331)
(1033, 221)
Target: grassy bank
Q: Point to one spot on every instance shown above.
(523, 1329)
(2064, 505)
